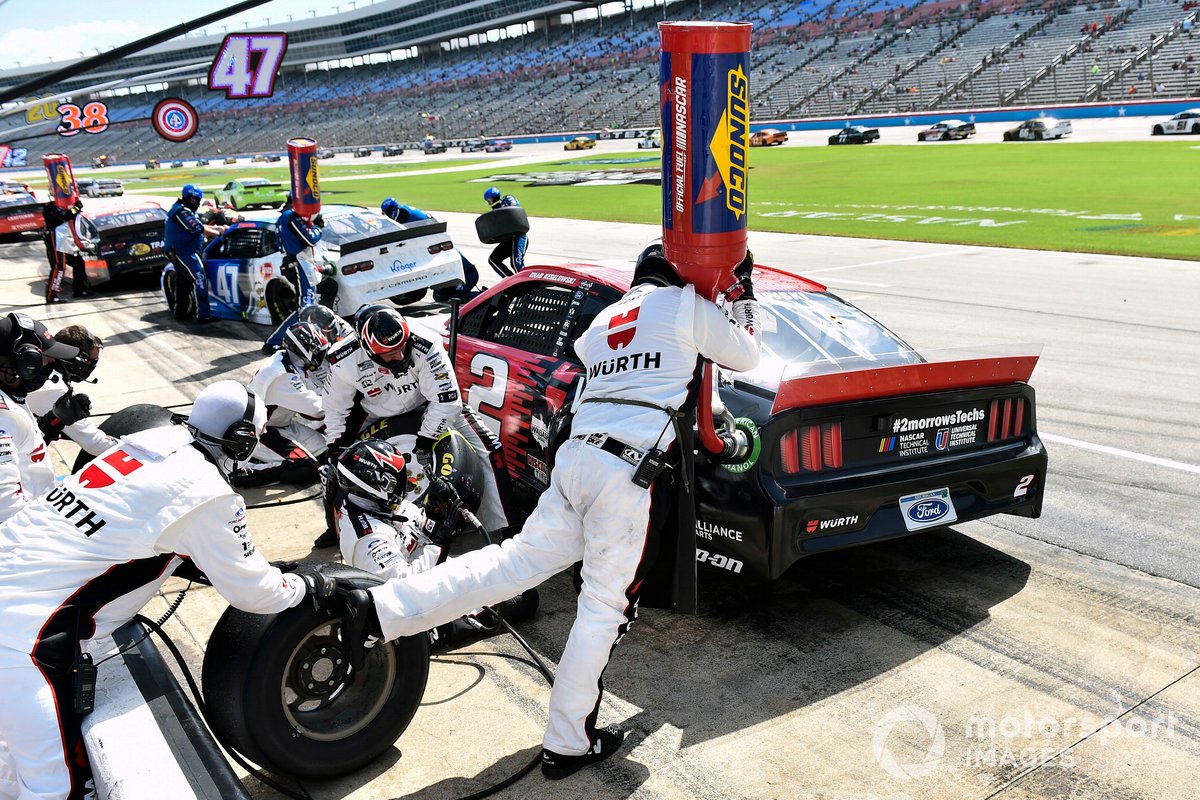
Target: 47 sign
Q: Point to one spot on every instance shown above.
(247, 63)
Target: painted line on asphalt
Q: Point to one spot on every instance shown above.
(849, 282)
(890, 261)
(1116, 451)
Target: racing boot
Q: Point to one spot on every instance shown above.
(360, 626)
(556, 766)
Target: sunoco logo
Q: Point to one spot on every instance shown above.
(314, 184)
(728, 145)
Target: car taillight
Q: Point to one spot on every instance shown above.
(361, 266)
(440, 247)
(811, 448)
(1006, 418)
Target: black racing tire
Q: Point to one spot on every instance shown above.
(502, 225)
(128, 420)
(414, 296)
(1158, 131)
(1039, 136)
(920, 137)
(254, 664)
(281, 301)
(1196, 129)
(1008, 136)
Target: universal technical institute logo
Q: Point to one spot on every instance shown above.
(903, 717)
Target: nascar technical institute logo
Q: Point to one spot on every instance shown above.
(175, 120)
(728, 147)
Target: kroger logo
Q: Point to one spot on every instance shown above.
(928, 510)
(403, 266)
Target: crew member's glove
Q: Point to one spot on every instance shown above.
(67, 410)
(325, 593)
(743, 273)
(423, 451)
(318, 221)
(282, 566)
(443, 508)
(190, 572)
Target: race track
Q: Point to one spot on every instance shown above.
(993, 659)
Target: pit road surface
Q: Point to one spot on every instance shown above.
(946, 665)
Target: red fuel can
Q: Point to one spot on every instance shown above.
(63, 190)
(705, 95)
(306, 185)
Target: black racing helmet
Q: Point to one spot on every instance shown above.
(305, 345)
(375, 469)
(652, 268)
(333, 326)
(384, 336)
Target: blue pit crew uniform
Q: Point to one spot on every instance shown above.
(295, 236)
(184, 242)
(513, 250)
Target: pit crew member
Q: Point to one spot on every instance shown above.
(605, 505)
(184, 237)
(382, 532)
(79, 369)
(392, 382)
(82, 558)
(296, 235)
(53, 216)
(291, 444)
(27, 356)
(514, 250)
(405, 213)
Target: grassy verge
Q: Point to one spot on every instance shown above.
(1125, 198)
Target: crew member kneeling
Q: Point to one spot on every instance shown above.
(81, 560)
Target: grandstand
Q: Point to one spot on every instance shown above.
(367, 77)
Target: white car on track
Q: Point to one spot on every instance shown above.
(1038, 129)
(1183, 122)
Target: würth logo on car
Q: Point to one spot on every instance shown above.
(621, 329)
(815, 525)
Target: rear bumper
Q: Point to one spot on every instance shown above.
(999, 484)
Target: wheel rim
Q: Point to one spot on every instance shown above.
(320, 700)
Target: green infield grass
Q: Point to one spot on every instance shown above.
(156, 180)
(1124, 198)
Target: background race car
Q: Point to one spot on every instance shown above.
(393, 150)
(767, 137)
(100, 187)
(580, 143)
(1038, 129)
(473, 146)
(249, 192)
(947, 130)
(369, 257)
(862, 438)
(1183, 122)
(497, 146)
(20, 211)
(855, 134)
(651, 142)
(125, 241)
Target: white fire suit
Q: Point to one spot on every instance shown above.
(294, 408)
(390, 544)
(643, 348)
(423, 401)
(81, 559)
(25, 467)
(84, 433)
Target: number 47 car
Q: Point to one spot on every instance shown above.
(859, 437)
(365, 257)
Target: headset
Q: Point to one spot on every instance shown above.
(240, 438)
(27, 356)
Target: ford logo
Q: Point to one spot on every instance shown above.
(928, 510)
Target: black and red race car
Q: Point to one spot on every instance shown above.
(20, 211)
(118, 242)
(862, 438)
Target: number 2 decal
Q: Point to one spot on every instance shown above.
(1023, 486)
(232, 69)
(491, 396)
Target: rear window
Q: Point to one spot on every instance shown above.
(348, 227)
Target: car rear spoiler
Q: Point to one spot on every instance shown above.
(901, 379)
(411, 231)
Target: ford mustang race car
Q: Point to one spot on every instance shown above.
(473, 146)
(947, 130)
(247, 192)
(580, 143)
(1038, 129)
(861, 438)
(20, 211)
(125, 241)
(767, 137)
(393, 150)
(1183, 122)
(497, 146)
(369, 257)
(855, 134)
